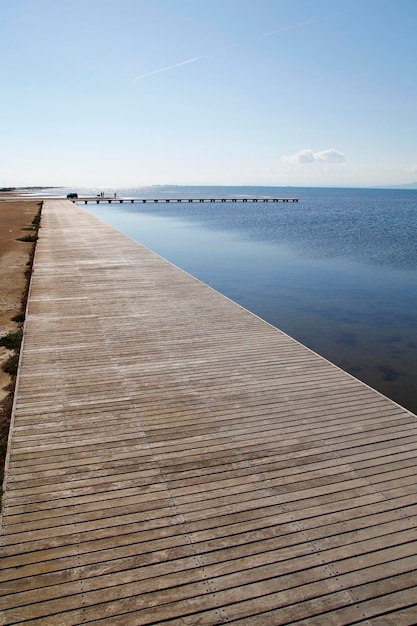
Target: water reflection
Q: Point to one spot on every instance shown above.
(359, 315)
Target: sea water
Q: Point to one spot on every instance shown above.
(336, 271)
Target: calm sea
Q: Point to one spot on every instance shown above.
(337, 270)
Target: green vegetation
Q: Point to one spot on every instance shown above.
(20, 317)
(33, 227)
(36, 222)
(12, 341)
(10, 366)
(27, 238)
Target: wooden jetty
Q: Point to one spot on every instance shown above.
(176, 460)
(99, 199)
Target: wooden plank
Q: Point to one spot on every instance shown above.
(175, 459)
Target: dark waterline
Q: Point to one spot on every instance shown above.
(337, 271)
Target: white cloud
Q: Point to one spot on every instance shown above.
(304, 156)
(330, 155)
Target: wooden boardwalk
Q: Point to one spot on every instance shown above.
(176, 460)
(98, 199)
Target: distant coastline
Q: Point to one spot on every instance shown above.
(44, 188)
(409, 186)
(24, 189)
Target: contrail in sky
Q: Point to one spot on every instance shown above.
(171, 67)
(284, 28)
(203, 56)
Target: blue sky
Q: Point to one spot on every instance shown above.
(274, 92)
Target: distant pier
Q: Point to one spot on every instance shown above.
(99, 199)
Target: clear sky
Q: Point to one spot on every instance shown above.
(234, 92)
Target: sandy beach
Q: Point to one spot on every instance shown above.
(15, 215)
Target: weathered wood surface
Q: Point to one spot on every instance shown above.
(176, 460)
